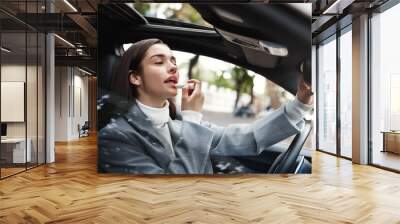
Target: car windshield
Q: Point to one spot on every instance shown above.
(182, 12)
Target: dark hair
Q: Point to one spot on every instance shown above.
(131, 61)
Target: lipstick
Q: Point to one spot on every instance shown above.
(182, 85)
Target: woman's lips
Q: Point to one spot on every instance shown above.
(171, 84)
(172, 79)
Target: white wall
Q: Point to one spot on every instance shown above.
(61, 103)
(33, 125)
(80, 96)
(17, 73)
(14, 72)
(71, 94)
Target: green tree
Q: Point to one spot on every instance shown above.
(192, 62)
(244, 83)
(220, 81)
(143, 8)
(187, 14)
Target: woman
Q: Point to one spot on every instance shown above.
(152, 138)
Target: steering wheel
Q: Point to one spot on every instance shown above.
(286, 160)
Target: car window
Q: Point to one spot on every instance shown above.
(232, 94)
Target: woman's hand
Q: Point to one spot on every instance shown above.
(194, 101)
(304, 93)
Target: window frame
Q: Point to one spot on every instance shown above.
(333, 37)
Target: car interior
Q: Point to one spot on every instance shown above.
(274, 52)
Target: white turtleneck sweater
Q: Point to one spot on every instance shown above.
(160, 117)
(295, 110)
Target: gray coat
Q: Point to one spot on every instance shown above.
(130, 144)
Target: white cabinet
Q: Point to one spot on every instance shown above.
(18, 149)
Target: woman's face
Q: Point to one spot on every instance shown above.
(159, 73)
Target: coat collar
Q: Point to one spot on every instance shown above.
(158, 116)
(138, 119)
(136, 116)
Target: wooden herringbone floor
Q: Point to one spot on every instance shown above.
(71, 191)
